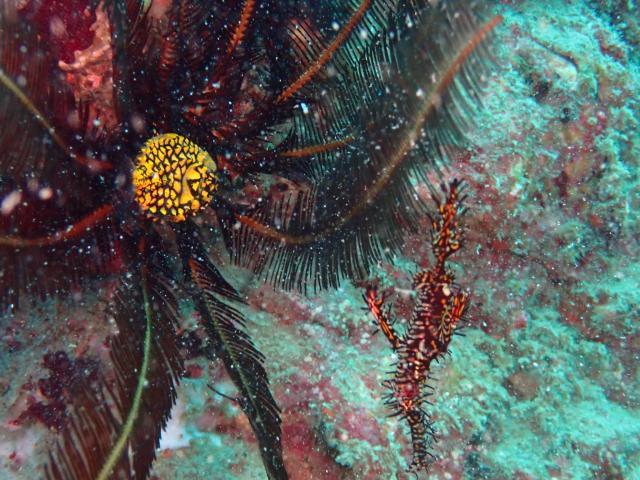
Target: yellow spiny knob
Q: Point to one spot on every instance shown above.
(173, 178)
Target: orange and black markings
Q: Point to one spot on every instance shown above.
(174, 178)
(440, 306)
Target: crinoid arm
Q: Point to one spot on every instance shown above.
(56, 222)
(38, 110)
(374, 106)
(48, 248)
(191, 66)
(213, 298)
(114, 426)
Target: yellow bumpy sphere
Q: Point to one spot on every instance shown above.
(174, 178)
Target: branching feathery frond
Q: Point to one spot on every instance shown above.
(231, 344)
(115, 427)
(415, 84)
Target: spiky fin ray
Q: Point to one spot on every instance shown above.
(375, 304)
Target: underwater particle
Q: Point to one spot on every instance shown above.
(45, 193)
(10, 202)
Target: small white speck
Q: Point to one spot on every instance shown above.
(45, 193)
(10, 202)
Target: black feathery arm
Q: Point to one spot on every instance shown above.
(114, 427)
(224, 325)
(425, 83)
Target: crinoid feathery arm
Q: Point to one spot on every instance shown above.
(357, 198)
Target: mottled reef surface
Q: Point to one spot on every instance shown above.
(544, 384)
